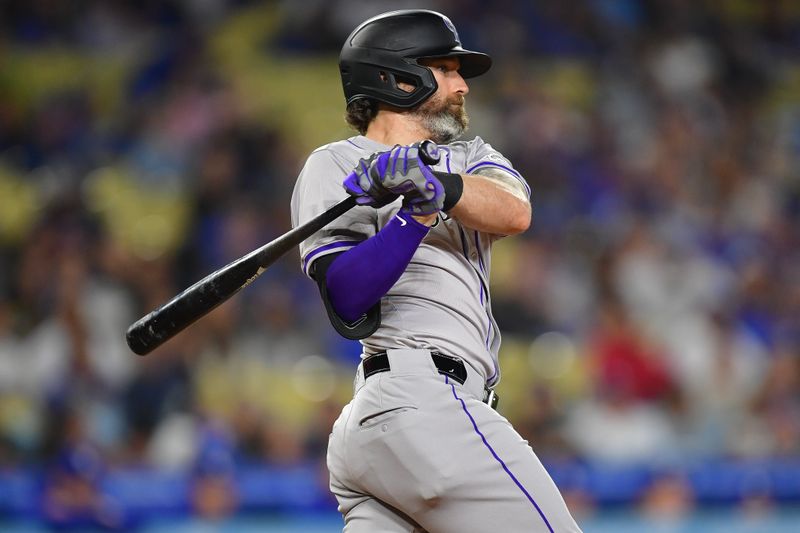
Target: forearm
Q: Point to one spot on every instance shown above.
(359, 277)
(491, 206)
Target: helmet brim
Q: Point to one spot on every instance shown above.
(472, 63)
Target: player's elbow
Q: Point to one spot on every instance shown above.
(520, 219)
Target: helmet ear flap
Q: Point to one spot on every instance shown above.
(384, 83)
(399, 81)
(406, 83)
(394, 81)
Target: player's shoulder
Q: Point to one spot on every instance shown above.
(474, 151)
(468, 143)
(357, 144)
(463, 146)
(345, 152)
(339, 153)
(334, 147)
(471, 147)
(331, 149)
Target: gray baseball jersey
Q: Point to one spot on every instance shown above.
(441, 302)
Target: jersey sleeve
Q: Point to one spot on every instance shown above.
(482, 157)
(318, 188)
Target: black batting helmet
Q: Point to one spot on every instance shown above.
(384, 50)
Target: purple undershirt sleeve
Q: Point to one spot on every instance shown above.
(359, 277)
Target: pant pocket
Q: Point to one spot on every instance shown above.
(373, 420)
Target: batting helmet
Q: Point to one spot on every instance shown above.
(384, 50)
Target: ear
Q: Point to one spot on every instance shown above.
(400, 82)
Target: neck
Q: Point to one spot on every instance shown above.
(392, 127)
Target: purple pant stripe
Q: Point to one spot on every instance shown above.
(497, 458)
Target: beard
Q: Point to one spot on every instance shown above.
(445, 119)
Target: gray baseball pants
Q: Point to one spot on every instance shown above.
(415, 451)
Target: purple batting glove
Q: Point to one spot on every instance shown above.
(406, 173)
(383, 177)
(366, 190)
(428, 203)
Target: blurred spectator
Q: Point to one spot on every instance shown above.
(214, 493)
(668, 499)
(627, 365)
(627, 417)
(72, 497)
(771, 424)
(542, 423)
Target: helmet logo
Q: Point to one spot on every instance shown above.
(451, 28)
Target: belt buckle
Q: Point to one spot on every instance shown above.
(490, 398)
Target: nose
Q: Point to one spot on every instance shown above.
(460, 85)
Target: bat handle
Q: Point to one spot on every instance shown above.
(429, 152)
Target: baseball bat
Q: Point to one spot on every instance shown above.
(163, 323)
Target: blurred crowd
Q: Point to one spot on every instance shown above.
(650, 315)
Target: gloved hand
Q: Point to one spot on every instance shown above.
(384, 176)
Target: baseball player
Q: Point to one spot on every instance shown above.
(420, 447)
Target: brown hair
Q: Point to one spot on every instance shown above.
(360, 113)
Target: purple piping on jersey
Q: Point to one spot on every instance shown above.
(490, 328)
(331, 246)
(491, 380)
(490, 163)
(507, 169)
(497, 458)
(480, 255)
(483, 270)
(464, 243)
(488, 316)
(354, 144)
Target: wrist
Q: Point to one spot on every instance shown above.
(453, 188)
(426, 220)
(421, 223)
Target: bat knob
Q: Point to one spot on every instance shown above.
(429, 152)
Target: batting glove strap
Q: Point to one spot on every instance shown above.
(453, 188)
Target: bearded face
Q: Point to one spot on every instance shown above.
(444, 117)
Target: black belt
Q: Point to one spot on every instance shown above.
(446, 364)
